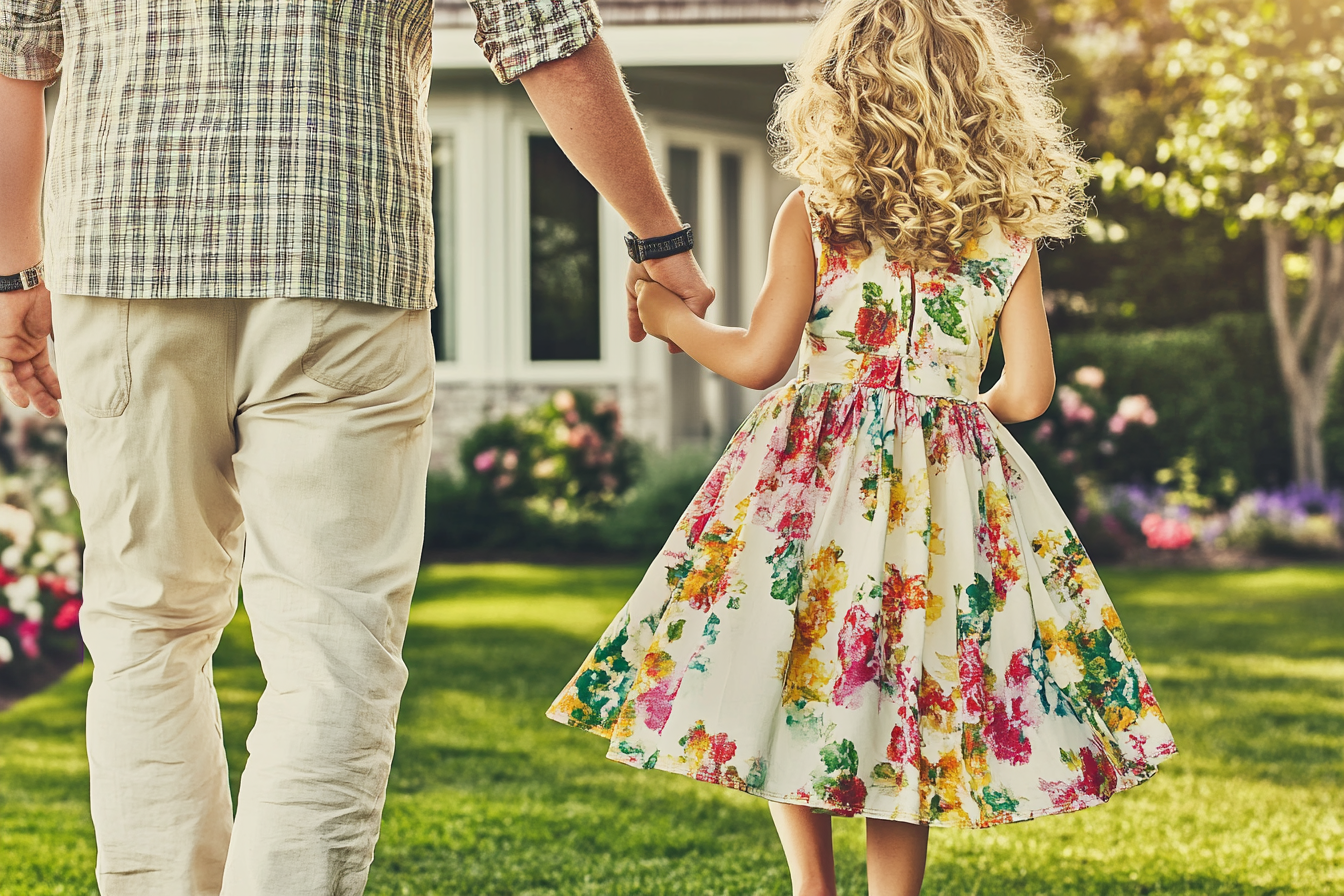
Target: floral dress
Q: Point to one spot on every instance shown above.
(874, 606)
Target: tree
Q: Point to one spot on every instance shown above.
(1258, 135)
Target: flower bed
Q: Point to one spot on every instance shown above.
(40, 557)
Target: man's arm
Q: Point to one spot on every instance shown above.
(583, 100)
(26, 374)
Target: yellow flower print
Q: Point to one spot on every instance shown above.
(805, 676)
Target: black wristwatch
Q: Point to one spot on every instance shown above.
(659, 246)
(22, 280)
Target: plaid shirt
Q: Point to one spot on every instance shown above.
(251, 149)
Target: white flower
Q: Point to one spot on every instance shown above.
(54, 543)
(33, 612)
(11, 557)
(22, 592)
(40, 560)
(6, 651)
(67, 565)
(55, 499)
(18, 524)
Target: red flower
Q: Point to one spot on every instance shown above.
(972, 669)
(858, 656)
(848, 792)
(28, 632)
(68, 615)
(6, 616)
(876, 327)
(904, 745)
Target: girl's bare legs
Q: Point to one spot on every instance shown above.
(806, 837)
(896, 854)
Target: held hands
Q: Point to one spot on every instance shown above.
(26, 374)
(656, 305)
(677, 274)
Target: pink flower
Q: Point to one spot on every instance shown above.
(563, 400)
(510, 460)
(1166, 534)
(485, 460)
(28, 632)
(1068, 456)
(1092, 377)
(1133, 409)
(1075, 409)
(503, 481)
(6, 616)
(1044, 431)
(68, 615)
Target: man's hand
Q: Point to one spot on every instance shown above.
(26, 374)
(680, 274)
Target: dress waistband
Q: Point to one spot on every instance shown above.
(871, 370)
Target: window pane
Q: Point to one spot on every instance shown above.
(689, 424)
(443, 322)
(565, 318)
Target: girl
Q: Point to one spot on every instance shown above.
(874, 606)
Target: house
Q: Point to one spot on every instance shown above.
(531, 261)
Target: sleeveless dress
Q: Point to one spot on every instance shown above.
(874, 605)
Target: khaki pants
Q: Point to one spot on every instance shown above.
(300, 427)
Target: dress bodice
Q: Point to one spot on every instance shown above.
(880, 322)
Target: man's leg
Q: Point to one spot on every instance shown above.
(333, 446)
(150, 446)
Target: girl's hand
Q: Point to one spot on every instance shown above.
(656, 304)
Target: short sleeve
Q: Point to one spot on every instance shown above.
(1019, 248)
(518, 35)
(31, 42)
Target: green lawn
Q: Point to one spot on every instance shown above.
(488, 797)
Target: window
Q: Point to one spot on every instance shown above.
(565, 321)
(689, 423)
(443, 323)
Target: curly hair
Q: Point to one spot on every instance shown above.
(918, 122)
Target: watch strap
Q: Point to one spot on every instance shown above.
(660, 246)
(22, 280)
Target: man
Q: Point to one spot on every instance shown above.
(239, 251)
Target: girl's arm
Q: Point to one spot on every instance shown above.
(760, 355)
(1028, 382)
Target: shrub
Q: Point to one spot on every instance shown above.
(643, 521)
(40, 560)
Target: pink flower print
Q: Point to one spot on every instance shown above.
(656, 703)
(904, 745)
(972, 673)
(857, 646)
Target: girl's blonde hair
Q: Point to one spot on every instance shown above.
(917, 122)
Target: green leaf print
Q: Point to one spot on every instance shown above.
(993, 273)
(944, 309)
(756, 774)
(711, 632)
(674, 630)
(786, 579)
(595, 688)
(840, 758)
(872, 294)
(995, 801)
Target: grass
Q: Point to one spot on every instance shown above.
(489, 798)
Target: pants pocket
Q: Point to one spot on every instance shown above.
(356, 347)
(93, 358)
